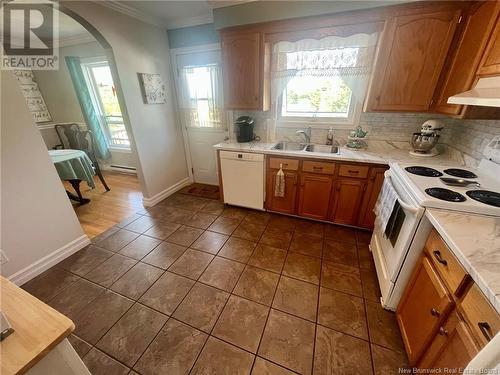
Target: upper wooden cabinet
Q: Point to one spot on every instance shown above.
(411, 54)
(246, 60)
(490, 64)
(460, 71)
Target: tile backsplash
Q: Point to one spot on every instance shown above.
(468, 136)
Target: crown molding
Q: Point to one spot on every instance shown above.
(76, 39)
(191, 21)
(131, 12)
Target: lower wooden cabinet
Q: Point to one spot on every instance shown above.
(284, 204)
(452, 348)
(347, 197)
(424, 305)
(373, 187)
(314, 195)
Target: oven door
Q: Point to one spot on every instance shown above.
(390, 244)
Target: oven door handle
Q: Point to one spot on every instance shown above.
(405, 206)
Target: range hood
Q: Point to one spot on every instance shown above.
(486, 93)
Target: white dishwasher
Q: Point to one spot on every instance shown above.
(243, 179)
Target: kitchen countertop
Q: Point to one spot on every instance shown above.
(38, 328)
(475, 241)
(378, 152)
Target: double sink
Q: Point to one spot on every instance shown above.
(306, 147)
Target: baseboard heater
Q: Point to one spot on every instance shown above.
(122, 168)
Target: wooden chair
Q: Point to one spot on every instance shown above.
(72, 137)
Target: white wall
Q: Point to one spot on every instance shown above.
(37, 217)
(61, 100)
(142, 48)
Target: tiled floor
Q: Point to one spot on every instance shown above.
(191, 286)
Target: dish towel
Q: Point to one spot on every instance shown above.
(279, 187)
(385, 203)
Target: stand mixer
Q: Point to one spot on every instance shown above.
(424, 142)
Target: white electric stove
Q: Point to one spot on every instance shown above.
(396, 244)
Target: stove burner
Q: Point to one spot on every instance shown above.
(484, 196)
(423, 171)
(462, 173)
(445, 194)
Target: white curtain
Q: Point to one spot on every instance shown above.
(201, 101)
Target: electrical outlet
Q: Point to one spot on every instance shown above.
(3, 257)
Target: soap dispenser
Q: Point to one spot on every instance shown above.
(329, 137)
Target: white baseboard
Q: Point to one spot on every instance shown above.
(148, 202)
(35, 269)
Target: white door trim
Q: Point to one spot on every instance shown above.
(174, 53)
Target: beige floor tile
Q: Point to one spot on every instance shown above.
(388, 362)
(173, 351)
(383, 327)
(237, 249)
(185, 236)
(263, 367)
(371, 289)
(296, 297)
(162, 230)
(137, 280)
(218, 357)
(140, 247)
(281, 223)
(213, 207)
(281, 241)
(167, 292)
(164, 255)
(201, 220)
(210, 242)
(241, 323)
(142, 224)
(131, 335)
(341, 277)
(201, 307)
(365, 258)
(303, 267)
(339, 233)
(307, 244)
(117, 240)
(191, 264)
(341, 252)
(100, 315)
(85, 260)
(224, 225)
(288, 341)
(111, 270)
(342, 312)
(268, 258)
(337, 353)
(249, 231)
(363, 237)
(81, 347)
(234, 212)
(48, 284)
(309, 227)
(257, 284)
(222, 273)
(99, 363)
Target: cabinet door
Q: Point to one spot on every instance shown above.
(461, 71)
(423, 306)
(411, 55)
(241, 54)
(452, 348)
(490, 64)
(314, 195)
(284, 204)
(367, 216)
(347, 200)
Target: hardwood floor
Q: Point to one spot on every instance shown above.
(107, 209)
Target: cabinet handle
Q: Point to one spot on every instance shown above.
(437, 255)
(435, 312)
(443, 331)
(351, 171)
(317, 168)
(485, 330)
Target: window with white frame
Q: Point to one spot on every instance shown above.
(102, 89)
(321, 81)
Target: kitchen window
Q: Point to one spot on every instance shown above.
(102, 89)
(321, 81)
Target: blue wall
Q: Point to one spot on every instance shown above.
(193, 36)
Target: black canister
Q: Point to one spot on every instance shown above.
(244, 129)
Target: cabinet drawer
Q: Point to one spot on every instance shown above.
(288, 164)
(482, 317)
(318, 167)
(448, 267)
(351, 170)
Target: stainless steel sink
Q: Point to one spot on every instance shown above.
(289, 146)
(323, 149)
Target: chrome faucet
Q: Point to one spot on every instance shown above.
(306, 133)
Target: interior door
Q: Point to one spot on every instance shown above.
(200, 139)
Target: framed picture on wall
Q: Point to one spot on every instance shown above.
(33, 96)
(152, 87)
